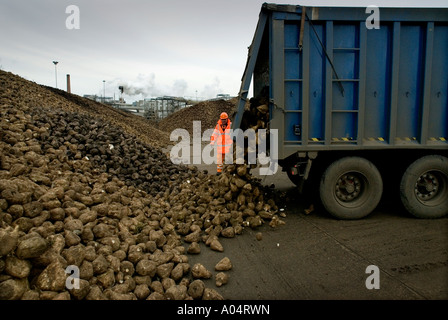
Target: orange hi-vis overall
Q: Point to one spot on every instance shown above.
(224, 141)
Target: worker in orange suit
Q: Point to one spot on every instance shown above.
(222, 137)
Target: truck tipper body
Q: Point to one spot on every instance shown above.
(359, 109)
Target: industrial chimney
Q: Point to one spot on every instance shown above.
(69, 90)
(121, 88)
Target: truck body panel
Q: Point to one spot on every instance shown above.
(334, 84)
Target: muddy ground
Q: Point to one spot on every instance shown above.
(314, 256)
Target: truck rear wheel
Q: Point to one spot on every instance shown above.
(351, 188)
(424, 187)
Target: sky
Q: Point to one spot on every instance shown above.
(187, 48)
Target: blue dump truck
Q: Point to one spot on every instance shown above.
(361, 109)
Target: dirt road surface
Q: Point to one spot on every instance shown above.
(316, 257)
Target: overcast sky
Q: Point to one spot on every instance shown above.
(168, 47)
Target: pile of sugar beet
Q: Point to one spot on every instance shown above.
(207, 112)
(80, 189)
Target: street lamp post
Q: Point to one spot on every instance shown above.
(104, 91)
(56, 73)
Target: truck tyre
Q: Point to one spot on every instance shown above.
(351, 188)
(424, 187)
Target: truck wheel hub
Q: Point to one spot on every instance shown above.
(348, 187)
(427, 186)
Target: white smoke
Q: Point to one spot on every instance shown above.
(179, 88)
(212, 89)
(145, 86)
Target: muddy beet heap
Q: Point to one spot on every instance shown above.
(80, 190)
(207, 112)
